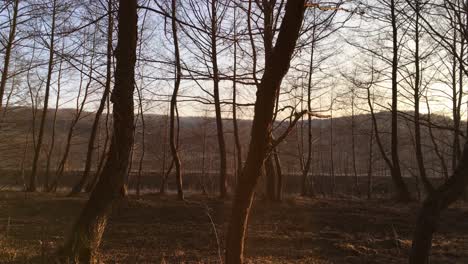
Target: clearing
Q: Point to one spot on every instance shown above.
(158, 229)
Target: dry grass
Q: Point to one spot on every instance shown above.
(162, 230)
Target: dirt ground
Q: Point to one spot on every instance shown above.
(163, 230)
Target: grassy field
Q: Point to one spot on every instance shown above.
(163, 230)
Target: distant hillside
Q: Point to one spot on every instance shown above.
(16, 142)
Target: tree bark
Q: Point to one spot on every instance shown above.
(82, 245)
(261, 129)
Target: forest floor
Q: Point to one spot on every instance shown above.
(158, 229)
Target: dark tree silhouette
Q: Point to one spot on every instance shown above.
(8, 48)
(260, 143)
(82, 245)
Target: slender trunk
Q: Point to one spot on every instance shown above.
(387, 160)
(353, 146)
(417, 95)
(203, 176)
(33, 101)
(89, 154)
(52, 138)
(439, 155)
(74, 122)
(270, 179)
(10, 94)
(403, 193)
(140, 104)
(455, 110)
(305, 173)
(164, 146)
(173, 143)
(234, 106)
(162, 188)
(37, 152)
(8, 48)
(23, 159)
(142, 154)
(91, 184)
(82, 245)
(261, 129)
(219, 120)
(279, 175)
(332, 163)
(370, 164)
(460, 96)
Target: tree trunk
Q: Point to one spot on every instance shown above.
(37, 151)
(270, 179)
(261, 129)
(173, 143)
(82, 245)
(279, 176)
(403, 194)
(203, 172)
(435, 203)
(455, 109)
(443, 164)
(217, 103)
(370, 165)
(90, 186)
(74, 122)
(164, 144)
(142, 154)
(89, 154)
(306, 169)
(417, 127)
(234, 106)
(332, 163)
(54, 121)
(8, 48)
(162, 188)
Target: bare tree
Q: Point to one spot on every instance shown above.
(37, 152)
(94, 129)
(403, 193)
(54, 122)
(83, 243)
(178, 73)
(260, 144)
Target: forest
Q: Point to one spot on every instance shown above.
(233, 131)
